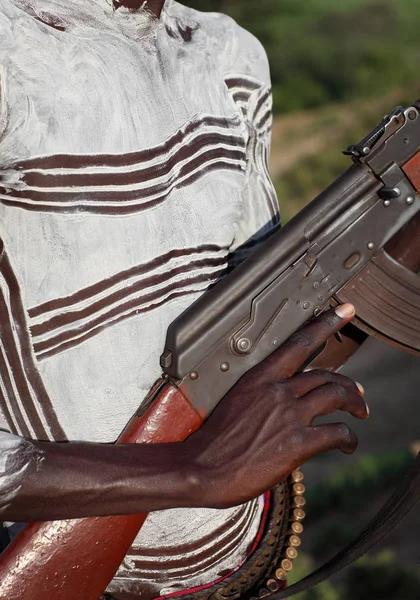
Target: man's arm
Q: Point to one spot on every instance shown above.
(261, 431)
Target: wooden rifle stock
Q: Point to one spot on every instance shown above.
(61, 560)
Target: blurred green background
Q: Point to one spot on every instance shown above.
(337, 67)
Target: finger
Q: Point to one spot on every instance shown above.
(303, 383)
(296, 351)
(330, 397)
(333, 436)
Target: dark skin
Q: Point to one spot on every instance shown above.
(260, 432)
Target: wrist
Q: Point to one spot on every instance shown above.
(206, 482)
(166, 476)
(193, 479)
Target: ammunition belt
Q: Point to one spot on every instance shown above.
(266, 569)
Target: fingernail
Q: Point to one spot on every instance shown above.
(345, 311)
(367, 410)
(360, 388)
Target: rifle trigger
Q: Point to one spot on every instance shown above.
(338, 337)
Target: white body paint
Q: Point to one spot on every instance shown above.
(17, 456)
(105, 83)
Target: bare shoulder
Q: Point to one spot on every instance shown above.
(233, 47)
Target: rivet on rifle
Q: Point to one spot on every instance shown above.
(366, 150)
(316, 285)
(387, 202)
(243, 345)
(412, 115)
(194, 375)
(224, 367)
(409, 200)
(275, 342)
(352, 260)
(306, 305)
(371, 246)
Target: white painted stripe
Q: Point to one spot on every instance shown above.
(21, 405)
(161, 159)
(135, 295)
(193, 288)
(131, 280)
(132, 187)
(4, 390)
(136, 203)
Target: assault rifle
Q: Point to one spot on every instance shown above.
(332, 250)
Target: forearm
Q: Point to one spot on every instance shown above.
(47, 481)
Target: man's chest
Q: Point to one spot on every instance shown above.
(114, 156)
(109, 93)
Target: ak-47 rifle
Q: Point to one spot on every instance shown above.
(332, 250)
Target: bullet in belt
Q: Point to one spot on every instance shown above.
(272, 585)
(291, 553)
(297, 476)
(298, 489)
(296, 528)
(286, 565)
(263, 592)
(294, 540)
(281, 574)
(298, 514)
(298, 501)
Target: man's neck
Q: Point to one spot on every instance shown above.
(155, 6)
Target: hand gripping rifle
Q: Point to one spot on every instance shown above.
(333, 250)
